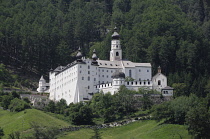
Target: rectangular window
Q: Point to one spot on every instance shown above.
(159, 82)
(130, 73)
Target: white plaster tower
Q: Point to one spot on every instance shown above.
(42, 85)
(116, 51)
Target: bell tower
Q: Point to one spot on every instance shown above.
(116, 51)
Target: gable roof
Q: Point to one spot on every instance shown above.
(168, 88)
(158, 74)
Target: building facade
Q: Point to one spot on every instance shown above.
(82, 78)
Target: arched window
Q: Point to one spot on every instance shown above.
(117, 46)
(117, 53)
(159, 82)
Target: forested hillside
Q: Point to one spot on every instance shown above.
(36, 35)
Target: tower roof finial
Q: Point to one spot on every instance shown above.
(115, 35)
(94, 56)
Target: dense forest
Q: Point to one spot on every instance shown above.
(36, 35)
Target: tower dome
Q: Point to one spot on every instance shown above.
(79, 54)
(94, 56)
(118, 74)
(115, 35)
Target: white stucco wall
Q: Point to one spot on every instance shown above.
(159, 77)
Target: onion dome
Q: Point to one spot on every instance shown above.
(79, 54)
(118, 74)
(94, 56)
(115, 35)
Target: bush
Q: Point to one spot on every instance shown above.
(81, 114)
(175, 111)
(6, 99)
(18, 105)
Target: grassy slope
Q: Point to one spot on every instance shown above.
(138, 130)
(20, 121)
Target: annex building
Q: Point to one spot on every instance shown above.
(82, 78)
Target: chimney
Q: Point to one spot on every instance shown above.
(159, 69)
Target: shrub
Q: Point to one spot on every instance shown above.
(18, 105)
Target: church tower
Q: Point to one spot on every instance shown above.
(116, 51)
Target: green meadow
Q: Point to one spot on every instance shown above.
(148, 129)
(145, 129)
(11, 122)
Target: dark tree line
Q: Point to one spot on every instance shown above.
(37, 35)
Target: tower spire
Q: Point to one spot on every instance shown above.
(159, 69)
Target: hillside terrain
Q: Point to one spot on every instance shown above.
(20, 121)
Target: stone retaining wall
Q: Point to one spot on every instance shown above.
(101, 126)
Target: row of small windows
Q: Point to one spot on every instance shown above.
(88, 78)
(106, 71)
(107, 64)
(133, 83)
(165, 92)
(129, 70)
(104, 76)
(105, 85)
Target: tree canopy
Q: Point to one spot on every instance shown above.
(38, 35)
